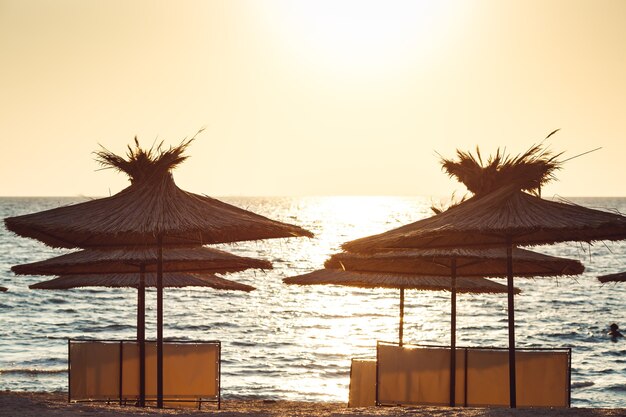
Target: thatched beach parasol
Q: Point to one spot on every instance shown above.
(140, 281)
(452, 263)
(116, 267)
(500, 214)
(404, 281)
(152, 211)
(618, 277)
(505, 215)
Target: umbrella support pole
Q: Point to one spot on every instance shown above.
(453, 334)
(141, 334)
(401, 325)
(160, 323)
(511, 314)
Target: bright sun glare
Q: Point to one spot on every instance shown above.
(364, 35)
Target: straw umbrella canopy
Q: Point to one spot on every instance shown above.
(618, 277)
(467, 262)
(506, 209)
(504, 217)
(132, 259)
(152, 211)
(502, 213)
(121, 280)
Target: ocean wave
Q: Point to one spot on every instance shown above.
(582, 384)
(32, 371)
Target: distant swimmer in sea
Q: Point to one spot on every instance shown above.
(614, 332)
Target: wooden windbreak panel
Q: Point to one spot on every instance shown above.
(362, 383)
(542, 378)
(408, 375)
(421, 375)
(94, 371)
(190, 370)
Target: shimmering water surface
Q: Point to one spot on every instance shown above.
(290, 342)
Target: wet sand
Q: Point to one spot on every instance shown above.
(33, 404)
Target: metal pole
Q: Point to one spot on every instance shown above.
(511, 311)
(141, 334)
(121, 373)
(453, 335)
(160, 323)
(401, 327)
(69, 370)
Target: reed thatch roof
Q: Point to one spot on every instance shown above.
(469, 262)
(528, 171)
(3, 289)
(151, 206)
(170, 279)
(619, 277)
(488, 221)
(127, 260)
(396, 280)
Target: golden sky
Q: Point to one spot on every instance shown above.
(309, 97)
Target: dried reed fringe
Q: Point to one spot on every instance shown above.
(619, 277)
(143, 165)
(170, 279)
(529, 170)
(390, 280)
(151, 206)
(470, 263)
(128, 260)
(482, 222)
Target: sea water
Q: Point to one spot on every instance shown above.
(293, 342)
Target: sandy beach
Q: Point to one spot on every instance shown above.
(31, 404)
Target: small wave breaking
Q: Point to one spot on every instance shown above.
(582, 384)
(32, 371)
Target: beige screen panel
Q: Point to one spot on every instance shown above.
(542, 378)
(362, 383)
(487, 378)
(190, 371)
(415, 375)
(130, 370)
(408, 375)
(94, 370)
